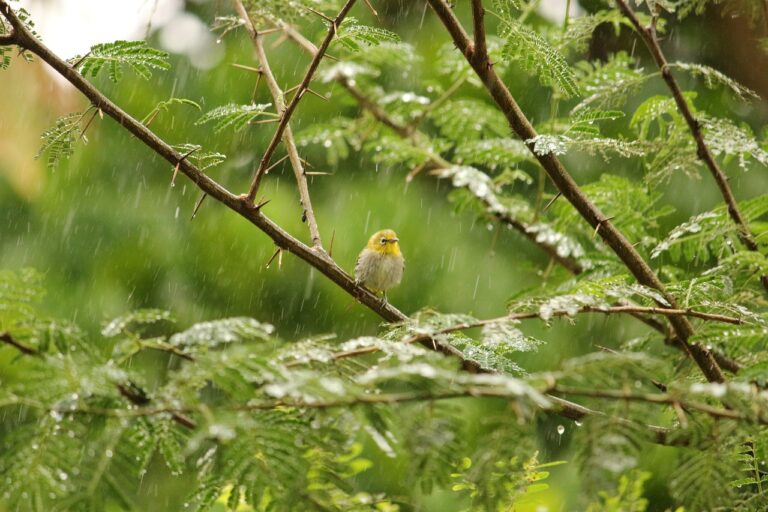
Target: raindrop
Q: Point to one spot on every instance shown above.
(578, 423)
(108, 453)
(63, 476)
(560, 430)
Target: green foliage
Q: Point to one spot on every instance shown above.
(354, 36)
(453, 120)
(511, 483)
(336, 137)
(135, 55)
(165, 106)
(629, 495)
(202, 159)
(537, 57)
(702, 480)
(234, 116)
(713, 78)
(59, 140)
(607, 85)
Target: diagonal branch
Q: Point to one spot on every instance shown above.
(650, 38)
(283, 130)
(6, 338)
(565, 183)
(478, 25)
(287, 112)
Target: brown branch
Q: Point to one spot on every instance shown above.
(139, 398)
(480, 50)
(657, 434)
(283, 131)
(7, 39)
(6, 338)
(636, 309)
(661, 398)
(649, 37)
(565, 183)
(291, 107)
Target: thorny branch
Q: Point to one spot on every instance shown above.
(287, 111)
(649, 36)
(283, 130)
(565, 183)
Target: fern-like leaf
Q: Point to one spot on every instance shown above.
(59, 141)
(235, 116)
(536, 56)
(136, 55)
(354, 36)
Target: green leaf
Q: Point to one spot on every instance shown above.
(713, 78)
(165, 106)
(136, 55)
(235, 116)
(354, 36)
(59, 141)
(536, 56)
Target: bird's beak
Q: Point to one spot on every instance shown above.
(392, 240)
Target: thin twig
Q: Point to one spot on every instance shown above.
(657, 434)
(198, 204)
(565, 183)
(649, 37)
(6, 338)
(661, 398)
(287, 112)
(283, 130)
(370, 6)
(480, 50)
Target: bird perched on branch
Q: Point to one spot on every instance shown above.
(380, 264)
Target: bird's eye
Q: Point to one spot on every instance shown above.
(383, 240)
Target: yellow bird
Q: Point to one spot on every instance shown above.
(380, 264)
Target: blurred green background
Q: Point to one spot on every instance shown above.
(110, 234)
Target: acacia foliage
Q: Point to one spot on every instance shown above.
(243, 419)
